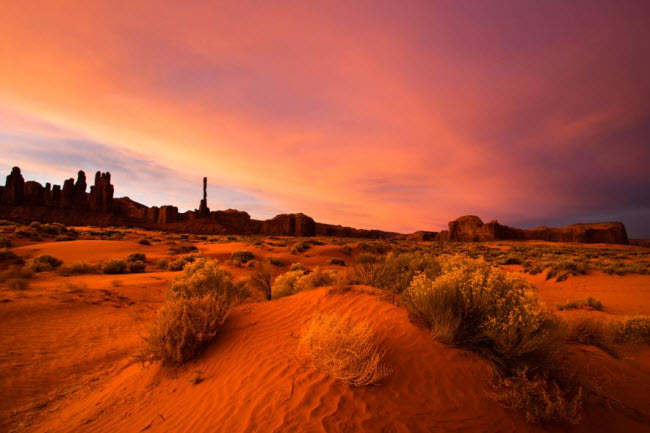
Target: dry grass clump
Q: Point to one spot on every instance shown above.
(344, 349)
(299, 247)
(193, 313)
(338, 262)
(315, 279)
(181, 249)
(144, 241)
(541, 400)
(179, 264)
(136, 257)
(242, 256)
(5, 242)
(262, 279)
(275, 261)
(43, 263)
(583, 303)
(634, 330)
(114, 266)
(16, 277)
(284, 285)
(78, 268)
(182, 327)
(203, 277)
(297, 267)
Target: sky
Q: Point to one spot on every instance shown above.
(395, 115)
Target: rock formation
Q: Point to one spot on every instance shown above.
(204, 210)
(30, 201)
(14, 190)
(101, 194)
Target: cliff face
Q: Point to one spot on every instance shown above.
(72, 205)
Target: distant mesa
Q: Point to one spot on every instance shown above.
(72, 205)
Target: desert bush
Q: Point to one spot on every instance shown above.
(162, 263)
(182, 327)
(43, 263)
(6, 254)
(179, 264)
(542, 400)
(203, 277)
(374, 247)
(589, 302)
(346, 249)
(181, 249)
(337, 262)
(78, 268)
(284, 285)
(299, 247)
(297, 267)
(635, 329)
(262, 279)
(16, 271)
(5, 242)
(475, 305)
(114, 266)
(137, 266)
(312, 280)
(136, 257)
(344, 349)
(275, 261)
(242, 256)
(144, 241)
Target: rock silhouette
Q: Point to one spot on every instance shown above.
(72, 205)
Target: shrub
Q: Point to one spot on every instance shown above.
(542, 400)
(181, 249)
(5, 242)
(297, 267)
(179, 264)
(114, 266)
(16, 272)
(478, 306)
(345, 249)
(137, 266)
(635, 329)
(275, 261)
(337, 261)
(78, 268)
(589, 302)
(284, 285)
(242, 256)
(144, 241)
(136, 257)
(44, 263)
(299, 247)
(182, 327)
(315, 279)
(203, 277)
(344, 349)
(262, 280)
(7, 255)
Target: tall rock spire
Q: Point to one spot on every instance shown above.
(204, 210)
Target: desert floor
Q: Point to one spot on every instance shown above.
(67, 346)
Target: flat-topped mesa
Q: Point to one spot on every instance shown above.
(101, 194)
(470, 228)
(204, 210)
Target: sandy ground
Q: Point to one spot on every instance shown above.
(66, 347)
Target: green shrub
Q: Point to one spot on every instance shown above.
(284, 285)
(242, 256)
(136, 257)
(44, 263)
(114, 266)
(78, 268)
(137, 266)
(203, 277)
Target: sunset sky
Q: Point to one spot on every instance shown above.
(396, 115)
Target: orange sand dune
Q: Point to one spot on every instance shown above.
(255, 381)
(91, 251)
